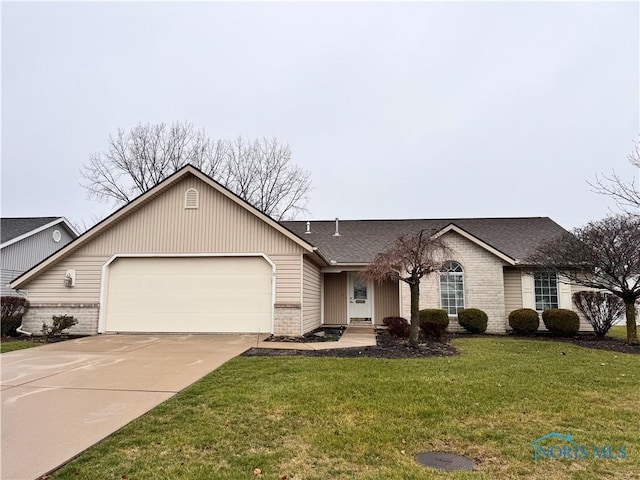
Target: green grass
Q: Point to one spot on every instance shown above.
(12, 345)
(618, 331)
(325, 418)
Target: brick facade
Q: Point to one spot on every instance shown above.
(86, 314)
(483, 284)
(287, 318)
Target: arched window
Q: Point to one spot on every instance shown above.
(191, 198)
(452, 287)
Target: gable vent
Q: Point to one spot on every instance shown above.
(191, 198)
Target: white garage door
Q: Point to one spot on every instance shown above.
(189, 294)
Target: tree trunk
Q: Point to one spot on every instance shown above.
(632, 331)
(414, 331)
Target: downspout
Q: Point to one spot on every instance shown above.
(24, 332)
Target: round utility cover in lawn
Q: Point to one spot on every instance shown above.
(189, 295)
(448, 462)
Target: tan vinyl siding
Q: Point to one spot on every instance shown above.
(387, 301)
(310, 296)
(512, 290)
(164, 226)
(49, 286)
(288, 268)
(335, 298)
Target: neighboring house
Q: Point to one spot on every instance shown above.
(191, 256)
(26, 241)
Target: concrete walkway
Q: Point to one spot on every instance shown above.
(360, 336)
(60, 399)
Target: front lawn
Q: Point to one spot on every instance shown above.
(618, 331)
(12, 344)
(366, 418)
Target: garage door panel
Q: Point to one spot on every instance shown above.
(189, 294)
(195, 323)
(208, 303)
(186, 283)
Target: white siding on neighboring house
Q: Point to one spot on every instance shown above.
(311, 278)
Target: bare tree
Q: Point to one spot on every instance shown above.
(626, 194)
(603, 254)
(409, 259)
(258, 171)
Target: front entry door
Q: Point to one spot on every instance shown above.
(360, 299)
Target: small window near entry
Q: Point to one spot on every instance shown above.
(191, 198)
(546, 290)
(452, 287)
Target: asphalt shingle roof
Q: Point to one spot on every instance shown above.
(361, 240)
(11, 228)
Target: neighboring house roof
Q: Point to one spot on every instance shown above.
(14, 229)
(361, 240)
(148, 196)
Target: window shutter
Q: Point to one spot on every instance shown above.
(564, 295)
(528, 298)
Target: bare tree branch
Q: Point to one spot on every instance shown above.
(409, 259)
(625, 193)
(260, 171)
(604, 255)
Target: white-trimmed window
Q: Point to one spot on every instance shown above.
(452, 287)
(546, 290)
(191, 198)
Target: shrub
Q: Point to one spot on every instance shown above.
(473, 320)
(60, 323)
(13, 308)
(524, 321)
(561, 322)
(434, 322)
(397, 326)
(599, 309)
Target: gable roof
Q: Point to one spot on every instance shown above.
(361, 240)
(14, 229)
(148, 196)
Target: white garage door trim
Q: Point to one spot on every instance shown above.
(104, 282)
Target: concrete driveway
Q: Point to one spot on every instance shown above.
(61, 398)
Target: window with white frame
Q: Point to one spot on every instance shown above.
(452, 287)
(546, 290)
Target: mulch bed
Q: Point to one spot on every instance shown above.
(388, 347)
(322, 334)
(396, 348)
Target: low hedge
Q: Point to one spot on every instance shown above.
(524, 321)
(12, 309)
(473, 320)
(434, 322)
(561, 322)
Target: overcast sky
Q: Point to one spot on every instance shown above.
(398, 110)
